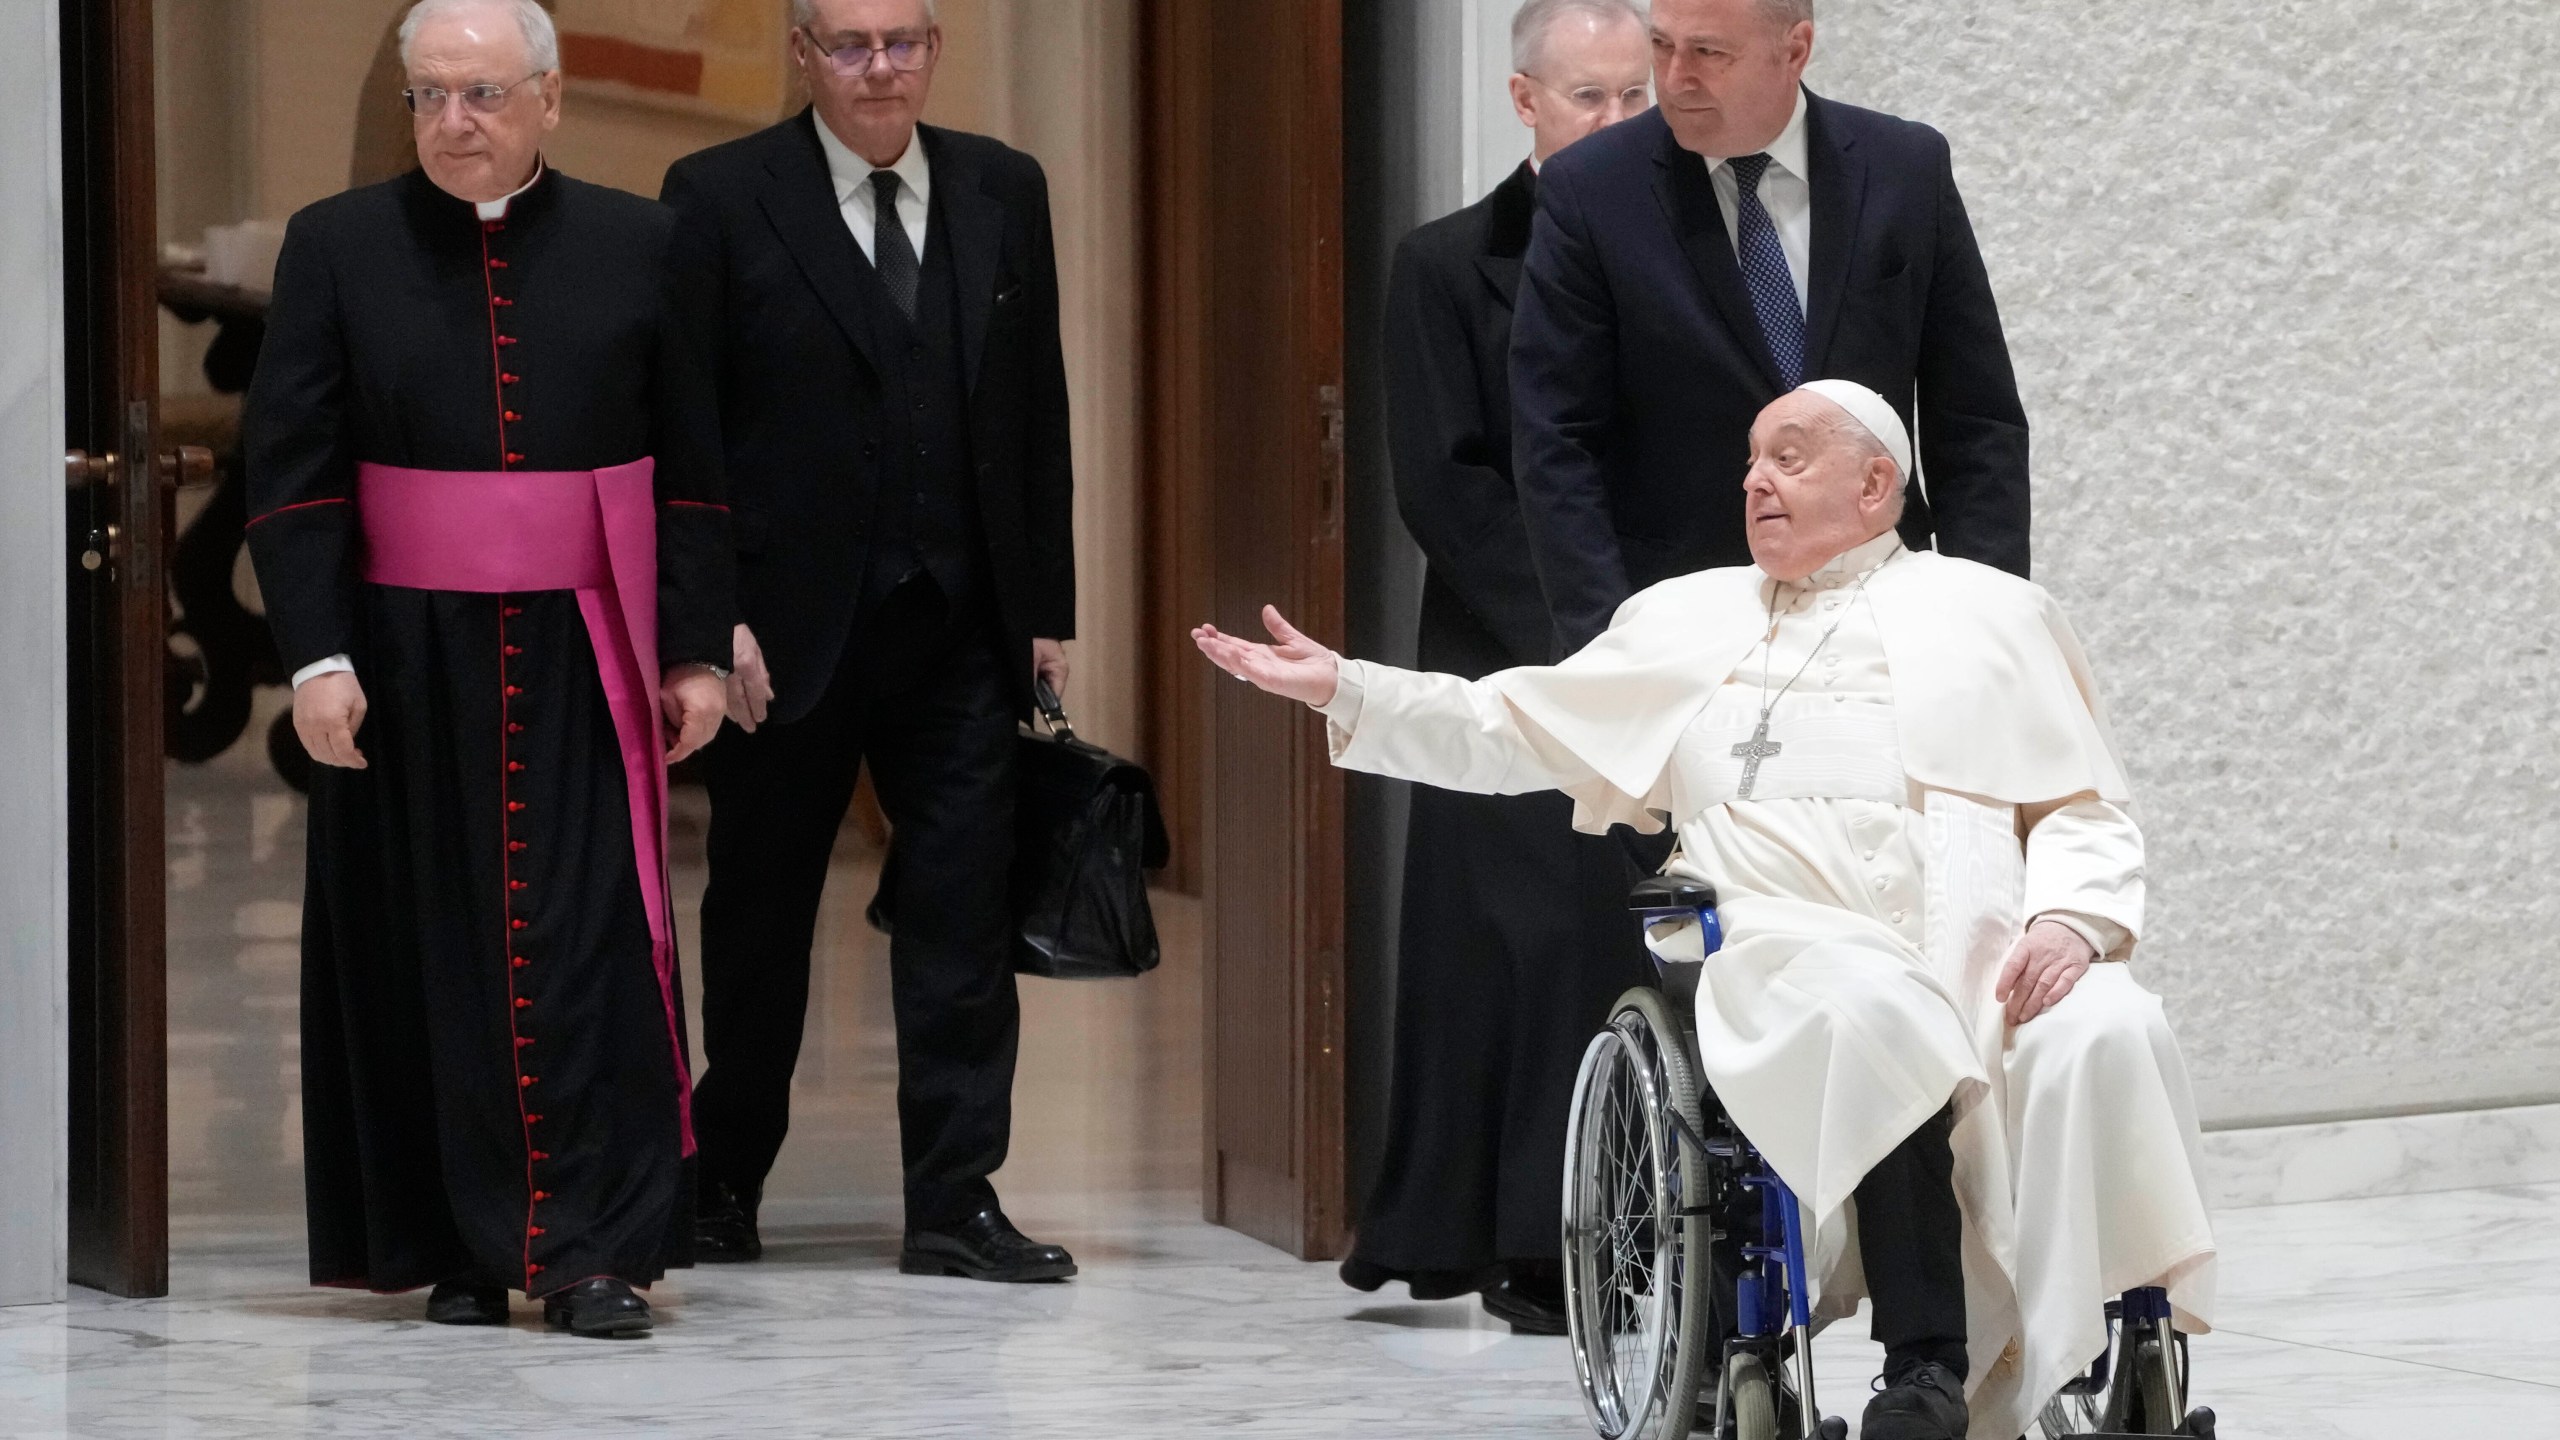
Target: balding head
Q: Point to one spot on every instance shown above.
(484, 88)
(1821, 482)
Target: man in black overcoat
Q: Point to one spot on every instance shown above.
(1515, 936)
(1690, 266)
(493, 1061)
(879, 302)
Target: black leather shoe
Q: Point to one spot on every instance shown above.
(724, 1226)
(1927, 1403)
(457, 1303)
(984, 1247)
(1529, 1308)
(598, 1309)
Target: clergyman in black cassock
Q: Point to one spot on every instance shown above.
(1514, 937)
(493, 1086)
(893, 411)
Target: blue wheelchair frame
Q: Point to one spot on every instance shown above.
(1770, 1303)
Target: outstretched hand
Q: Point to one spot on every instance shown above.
(1294, 667)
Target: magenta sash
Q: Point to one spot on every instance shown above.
(595, 532)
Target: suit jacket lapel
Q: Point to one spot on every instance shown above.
(1688, 196)
(1509, 212)
(1839, 185)
(973, 226)
(800, 201)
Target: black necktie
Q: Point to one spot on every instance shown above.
(892, 253)
(1764, 269)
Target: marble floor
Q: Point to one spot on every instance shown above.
(2382, 1319)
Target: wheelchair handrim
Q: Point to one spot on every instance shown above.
(1621, 1239)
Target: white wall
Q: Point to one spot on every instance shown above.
(2279, 282)
(34, 1025)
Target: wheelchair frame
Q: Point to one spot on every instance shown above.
(1649, 1173)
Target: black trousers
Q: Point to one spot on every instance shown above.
(1911, 1238)
(921, 695)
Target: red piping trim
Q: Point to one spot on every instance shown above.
(506, 930)
(289, 509)
(497, 363)
(696, 505)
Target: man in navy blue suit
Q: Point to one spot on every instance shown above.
(1691, 265)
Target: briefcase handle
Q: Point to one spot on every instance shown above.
(1052, 710)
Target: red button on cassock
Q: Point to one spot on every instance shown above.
(514, 728)
(520, 962)
(539, 1195)
(518, 885)
(506, 379)
(506, 340)
(522, 1041)
(512, 417)
(512, 611)
(534, 1230)
(515, 649)
(515, 767)
(516, 847)
(496, 264)
(525, 1082)
(536, 1120)
(515, 807)
(541, 1154)
(513, 458)
(523, 1004)
(513, 691)
(520, 924)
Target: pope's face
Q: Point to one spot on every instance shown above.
(1724, 75)
(473, 153)
(873, 109)
(1813, 491)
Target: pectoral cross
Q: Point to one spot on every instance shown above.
(1751, 752)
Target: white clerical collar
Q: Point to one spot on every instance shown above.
(851, 172)
(1788, 151)
(497, 209)
(1846, 567)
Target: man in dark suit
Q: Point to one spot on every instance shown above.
(879, 301)
(1515, 936)
(1690, 266)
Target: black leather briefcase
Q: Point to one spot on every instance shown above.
(1087, 829)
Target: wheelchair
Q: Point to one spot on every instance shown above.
(1657, 1177)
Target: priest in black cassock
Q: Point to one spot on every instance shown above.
(1515, 937)
(494, 554)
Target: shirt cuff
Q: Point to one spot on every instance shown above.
(335, 664)
(2105, 937)
(1349, 688)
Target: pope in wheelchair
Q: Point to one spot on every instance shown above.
(1897, 800)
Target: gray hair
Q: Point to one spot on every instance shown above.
(1787, 14)
(541, 37)
(805, 12)
(1537, 20)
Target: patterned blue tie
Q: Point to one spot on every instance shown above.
(1764, 269)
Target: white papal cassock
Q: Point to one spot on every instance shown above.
(1946, 776)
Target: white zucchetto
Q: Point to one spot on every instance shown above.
(1872, 411)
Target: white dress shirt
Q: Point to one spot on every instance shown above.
(487, 210)
(861, 203)
(1786, 188)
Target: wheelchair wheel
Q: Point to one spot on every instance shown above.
(2068, 1414)
(1636, 1269)
(2156, 1387)
(1751, 1399)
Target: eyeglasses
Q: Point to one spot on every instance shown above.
(855, 57)
(1592, 98)
(484, 99)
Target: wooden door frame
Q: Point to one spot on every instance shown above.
(119, 1190)
(1244, 489)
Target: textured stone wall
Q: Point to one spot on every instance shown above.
(2279, 279)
